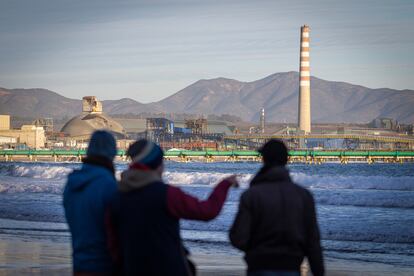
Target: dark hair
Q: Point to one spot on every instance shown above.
(274, 153)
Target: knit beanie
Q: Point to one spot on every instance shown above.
(146, 153)
(102, 144)
(274, 152)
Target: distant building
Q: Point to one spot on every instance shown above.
(134, 128)
(46, 123)
(385, 123)
(30, 135)
(218, 127)
(197, 126)
(159, 129)
(4, 122)
(133, 125)
(92, 118)
(7, 141)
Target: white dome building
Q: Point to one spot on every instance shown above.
(92, 118)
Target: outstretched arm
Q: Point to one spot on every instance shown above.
(182, 205)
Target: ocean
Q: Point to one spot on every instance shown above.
(365, 212)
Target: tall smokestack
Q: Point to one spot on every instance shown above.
(262, 121)
(304, 82)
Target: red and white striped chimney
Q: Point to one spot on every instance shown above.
(304, 82)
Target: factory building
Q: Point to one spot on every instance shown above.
(304, 110)
(209, 127)
(7, 141)
(92, 118)
(134, 128)
(385, 123)
(28, 135)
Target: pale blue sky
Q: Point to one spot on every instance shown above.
(147, 50)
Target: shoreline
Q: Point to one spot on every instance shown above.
(20, 256)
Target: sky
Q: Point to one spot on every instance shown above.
(148, 50)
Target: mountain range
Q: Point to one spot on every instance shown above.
(331, 101)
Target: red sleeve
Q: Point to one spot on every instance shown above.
(182, 205)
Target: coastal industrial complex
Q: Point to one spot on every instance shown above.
(199, 133)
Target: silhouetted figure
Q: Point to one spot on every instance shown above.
(87, 198)
(276, 223)
(148, 213)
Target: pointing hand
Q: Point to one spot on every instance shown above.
(233, 180)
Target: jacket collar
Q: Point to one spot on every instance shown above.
(133, 178)
(271, 175)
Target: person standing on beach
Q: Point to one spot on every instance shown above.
(86, 199)
(276, 222)
(147, 213)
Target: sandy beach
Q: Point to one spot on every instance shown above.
(31, 257)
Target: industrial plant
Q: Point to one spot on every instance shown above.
(199, 133)
(80, 127)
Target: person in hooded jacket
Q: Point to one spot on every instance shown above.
(147, 214)
(276, 223)
(87, 197)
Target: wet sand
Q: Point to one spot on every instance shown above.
(40, 257)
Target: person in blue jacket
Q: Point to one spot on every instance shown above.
(86, 199)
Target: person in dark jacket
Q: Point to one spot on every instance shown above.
(148, 211)
(86, 200)
(276, 222)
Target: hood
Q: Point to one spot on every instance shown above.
(78, 179)
(271, 175)
(135, 179)
(102, 144)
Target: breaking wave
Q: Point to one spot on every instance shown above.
(390, 191)
(399, 183)
(313, 181)
(202, 178)
(35, 171)
(364, 198)
(12, 185)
